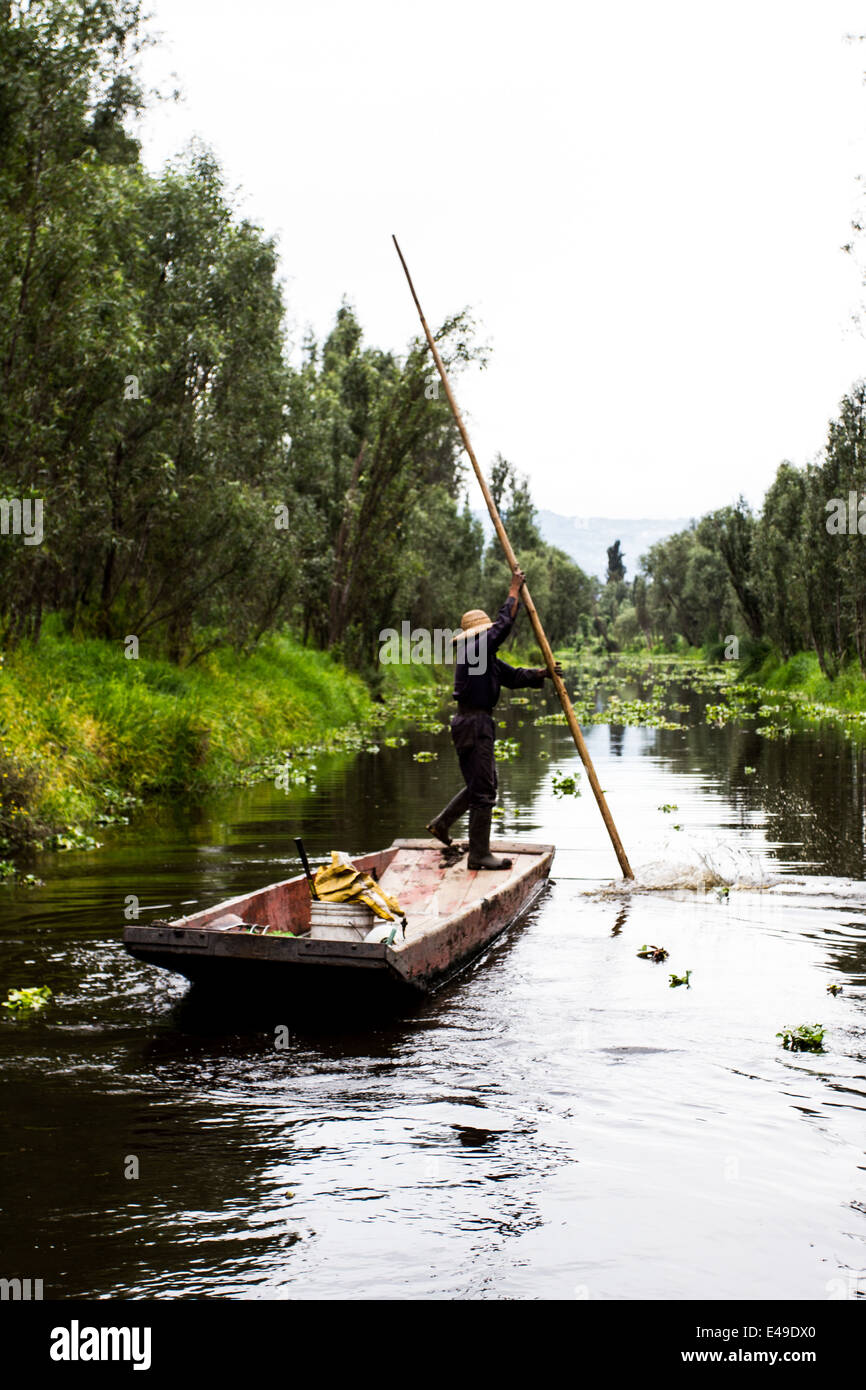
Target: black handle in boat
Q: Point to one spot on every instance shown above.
(303, 853)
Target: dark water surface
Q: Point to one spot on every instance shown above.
(558, 1123)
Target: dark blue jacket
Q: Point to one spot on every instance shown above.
(480, 688)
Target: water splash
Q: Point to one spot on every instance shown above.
(700, 868)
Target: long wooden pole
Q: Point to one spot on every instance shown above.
(510, 556)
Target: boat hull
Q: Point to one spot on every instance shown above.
(439, 942)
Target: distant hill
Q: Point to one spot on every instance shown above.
(586, 538)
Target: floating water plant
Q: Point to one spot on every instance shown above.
(807, 1037)
(834, 990)
(667, 808)
(718, 714)
(425, 756)
(657, 953)
(565, 786)
(72, 838)
(635, 713)
(749, 771)
(681, 980)
(9, 874)
(27, 999)
(507, 749)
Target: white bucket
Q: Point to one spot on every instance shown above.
(340, 921)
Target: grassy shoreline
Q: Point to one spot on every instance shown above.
(800, 675)
(803, 675)
(87, 734)
(782, 693)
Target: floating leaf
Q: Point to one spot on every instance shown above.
(806, 1037)
(29, 997)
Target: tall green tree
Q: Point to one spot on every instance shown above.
(780, 546)
(731, 532)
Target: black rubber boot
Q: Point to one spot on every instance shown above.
(445, 819)
(479, 841)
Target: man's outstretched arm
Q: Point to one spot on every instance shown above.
(521, 677)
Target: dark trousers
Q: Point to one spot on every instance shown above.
(473, 736)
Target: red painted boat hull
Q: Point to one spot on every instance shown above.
(453, 914)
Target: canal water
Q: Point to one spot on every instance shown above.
(559, 1122)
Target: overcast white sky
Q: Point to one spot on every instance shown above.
(642, 203)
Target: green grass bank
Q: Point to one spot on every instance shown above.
(86, 733)
(799, 676)
(802, 674)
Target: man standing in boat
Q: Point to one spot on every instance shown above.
(478, 681)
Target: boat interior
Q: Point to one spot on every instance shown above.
(429, 884)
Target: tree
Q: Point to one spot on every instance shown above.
(689, 590)
(781, 579)
(731, 531)
(844, 470)
(615, 564)
(511, 493)
(381, 445)
(67, 84)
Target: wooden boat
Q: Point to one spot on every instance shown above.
(453, 913)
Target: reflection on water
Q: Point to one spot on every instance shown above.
(559, 1122)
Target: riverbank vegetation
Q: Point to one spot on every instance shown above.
(784, 588)
(207, 526)
(204, 480)
(87, 734)
(645, 689)
(778, 593)
(196, 507)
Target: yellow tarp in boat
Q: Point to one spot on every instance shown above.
(341, 882)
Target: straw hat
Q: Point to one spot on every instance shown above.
(473, 622)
